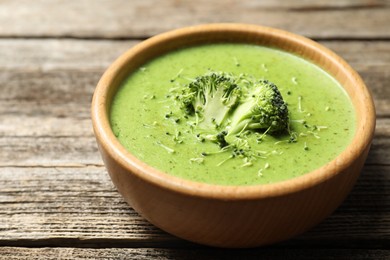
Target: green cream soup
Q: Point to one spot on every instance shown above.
(150, 124)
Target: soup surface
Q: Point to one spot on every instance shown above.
(149, 124)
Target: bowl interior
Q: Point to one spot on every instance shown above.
(235, 33)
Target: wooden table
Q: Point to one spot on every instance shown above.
(56, 199)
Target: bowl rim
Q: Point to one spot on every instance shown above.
(106, 139)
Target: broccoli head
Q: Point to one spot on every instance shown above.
(210, 97)
(226, 106)
(262, 108)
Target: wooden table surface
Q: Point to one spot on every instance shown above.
(56, 199)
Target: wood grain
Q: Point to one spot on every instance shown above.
(50, 54)
(140, 19)
(54, 191)
(9, 253)
(41, 206)
(82, 54)
(63, 71)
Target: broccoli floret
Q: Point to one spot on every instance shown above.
(210, 98)
(234, 104)
(226, 108)
(262, 108)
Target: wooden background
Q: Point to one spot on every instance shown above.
(56, 199)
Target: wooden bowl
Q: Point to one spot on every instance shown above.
(233, 216)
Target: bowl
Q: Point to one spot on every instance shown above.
(233, 216)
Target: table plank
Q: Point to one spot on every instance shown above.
(54, 190)
(79, 206)
(51, 54)
(64, 71)
(47, 54)
(56, 198)
(9, 253)
(139, 19)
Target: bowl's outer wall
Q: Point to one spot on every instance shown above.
(234, 224)
(226, 220)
